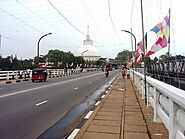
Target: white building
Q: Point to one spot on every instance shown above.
(88, 51)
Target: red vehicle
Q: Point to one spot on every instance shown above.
(39, 74)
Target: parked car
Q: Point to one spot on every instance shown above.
(39, 74)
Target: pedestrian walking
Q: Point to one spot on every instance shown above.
(123, 72)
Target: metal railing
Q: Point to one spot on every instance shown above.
(168, 103)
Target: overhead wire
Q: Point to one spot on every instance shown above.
(66, 18)
(113, 23)
(11, 38)
(132, 10)
(25, 7)
(69, 21)
(35, 29)
(137, 20)
(21, 21)
(90, 15)
(172, 25)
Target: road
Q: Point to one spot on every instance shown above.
(27, 109)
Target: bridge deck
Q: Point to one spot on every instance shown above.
(122, 114)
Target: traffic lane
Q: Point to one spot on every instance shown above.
(9, 88)
(40, 86)
(16, 118)
(52, 90)
(22, 118)
(37, 93)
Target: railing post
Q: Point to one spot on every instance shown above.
(131, 75)
(63, 72)
(147, 92)
(58, 72)
(156, 106)
(8, 76)
(136, 82)
(16, 75)
(172, 122)
(54, 72)
(143, 89)
(140, 84)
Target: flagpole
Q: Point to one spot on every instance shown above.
(169, 46)
(169, 36)
(144, 51)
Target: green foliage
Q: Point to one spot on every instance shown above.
(124, 56)
(180, 57)
(57, 56)
(5, 63)
(166, 57)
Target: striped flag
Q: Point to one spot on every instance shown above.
(162, 30)
(140, 50)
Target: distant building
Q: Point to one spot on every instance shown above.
(88, 51)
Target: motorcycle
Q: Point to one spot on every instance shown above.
(106, 73)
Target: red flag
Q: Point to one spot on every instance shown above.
(10, 60)
(139, 59)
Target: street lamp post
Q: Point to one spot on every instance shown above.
(38, 45)
(135, 49)
(82, 58)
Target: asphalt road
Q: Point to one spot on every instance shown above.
(27, 109)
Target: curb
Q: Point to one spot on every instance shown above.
(88, 122)
(78, 133)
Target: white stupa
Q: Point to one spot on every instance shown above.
(88, 51)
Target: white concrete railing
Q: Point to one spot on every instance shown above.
(6, 75)
(167, 101)
(17, 74)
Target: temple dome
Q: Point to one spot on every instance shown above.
(88, 51)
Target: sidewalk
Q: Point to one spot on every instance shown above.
(122, 114)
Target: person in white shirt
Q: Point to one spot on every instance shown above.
(128, 73)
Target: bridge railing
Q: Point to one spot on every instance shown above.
(19, 74)
(7, 75)
(168, 103)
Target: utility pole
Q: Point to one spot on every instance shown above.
(145, 49)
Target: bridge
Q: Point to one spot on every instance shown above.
(168, 104)
(166, 101)
(171, 72)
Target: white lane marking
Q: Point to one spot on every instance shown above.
(73, 134)
(76, 88)
(88, 115)
(97, 103)
(45, 101)
(121, 89)
(44, 86)
(106, 91)
(103, 96)
(158, 134)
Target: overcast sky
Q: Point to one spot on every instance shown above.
(23, 22)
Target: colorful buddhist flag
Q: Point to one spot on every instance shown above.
(163, 32)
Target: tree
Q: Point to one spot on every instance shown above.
(180, 57)
(166, 57)
(124, 56)
(57, 56)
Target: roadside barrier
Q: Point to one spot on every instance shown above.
(168, 103)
